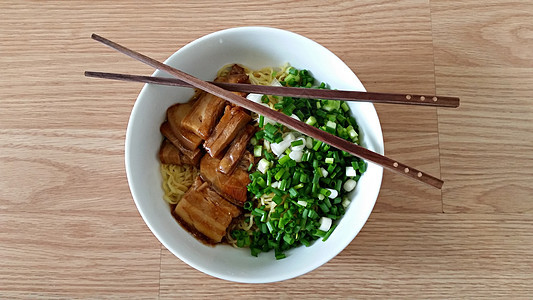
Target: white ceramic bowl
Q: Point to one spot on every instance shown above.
(254, 47)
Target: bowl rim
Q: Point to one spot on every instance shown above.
(146, 219)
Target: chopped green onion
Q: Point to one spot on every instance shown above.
(269, 177)
(345, 107)
(331, 124)
(293, 192)
(330, 231)
(269, 226)
(315, 163)
(338, 185)
(306, 186)
(331, 105)
(311, 121)
(263, 165)
(279, 174)
(325, 192)
(264, 99)
(300, 115)
(327, 202)
(258, 151)
(317, 145)
(297, 142)
(248, 205)
(306, 156)
(336, 156)
(362, 166)
(283, 184)
(284, 159)
(270, 129)
(277, 199)
(315, 187)
(299, 186)
(304, 178)
(321, 113)
(269, 156)
(258, 212)
(261, 182)
(260, 134)
(255, 251)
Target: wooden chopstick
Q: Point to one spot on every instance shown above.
(407, 99)
(281, 118)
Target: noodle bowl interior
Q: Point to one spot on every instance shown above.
(232, 176)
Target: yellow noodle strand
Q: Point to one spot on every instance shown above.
(176, 181)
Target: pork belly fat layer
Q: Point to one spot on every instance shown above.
(175, 115)
(236, 150)
(233, 187)
(238, 75)
(206, 211)
(203, 115)
(208, 108)
(233, 120)
(189, 157)
(169, 154)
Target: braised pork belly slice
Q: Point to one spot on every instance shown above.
(233, 120)
(231, 159)
(189, 157)
(206, 211)
(169, 154)
(175, 115)
(207, 109)
(232, 186)
(237, 74)
(204, 115)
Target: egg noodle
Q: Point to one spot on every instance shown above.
(176, 181)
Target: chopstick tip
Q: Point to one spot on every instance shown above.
(439, 185)
(97, 37)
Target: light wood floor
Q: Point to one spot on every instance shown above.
(68, 224)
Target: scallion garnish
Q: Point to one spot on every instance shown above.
(305, 181)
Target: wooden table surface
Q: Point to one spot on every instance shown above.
(69, 227)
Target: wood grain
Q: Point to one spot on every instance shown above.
(399, 256)
(70, 228)
(67, 253)
(410, 135)
(497, 35)
(488, 163)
